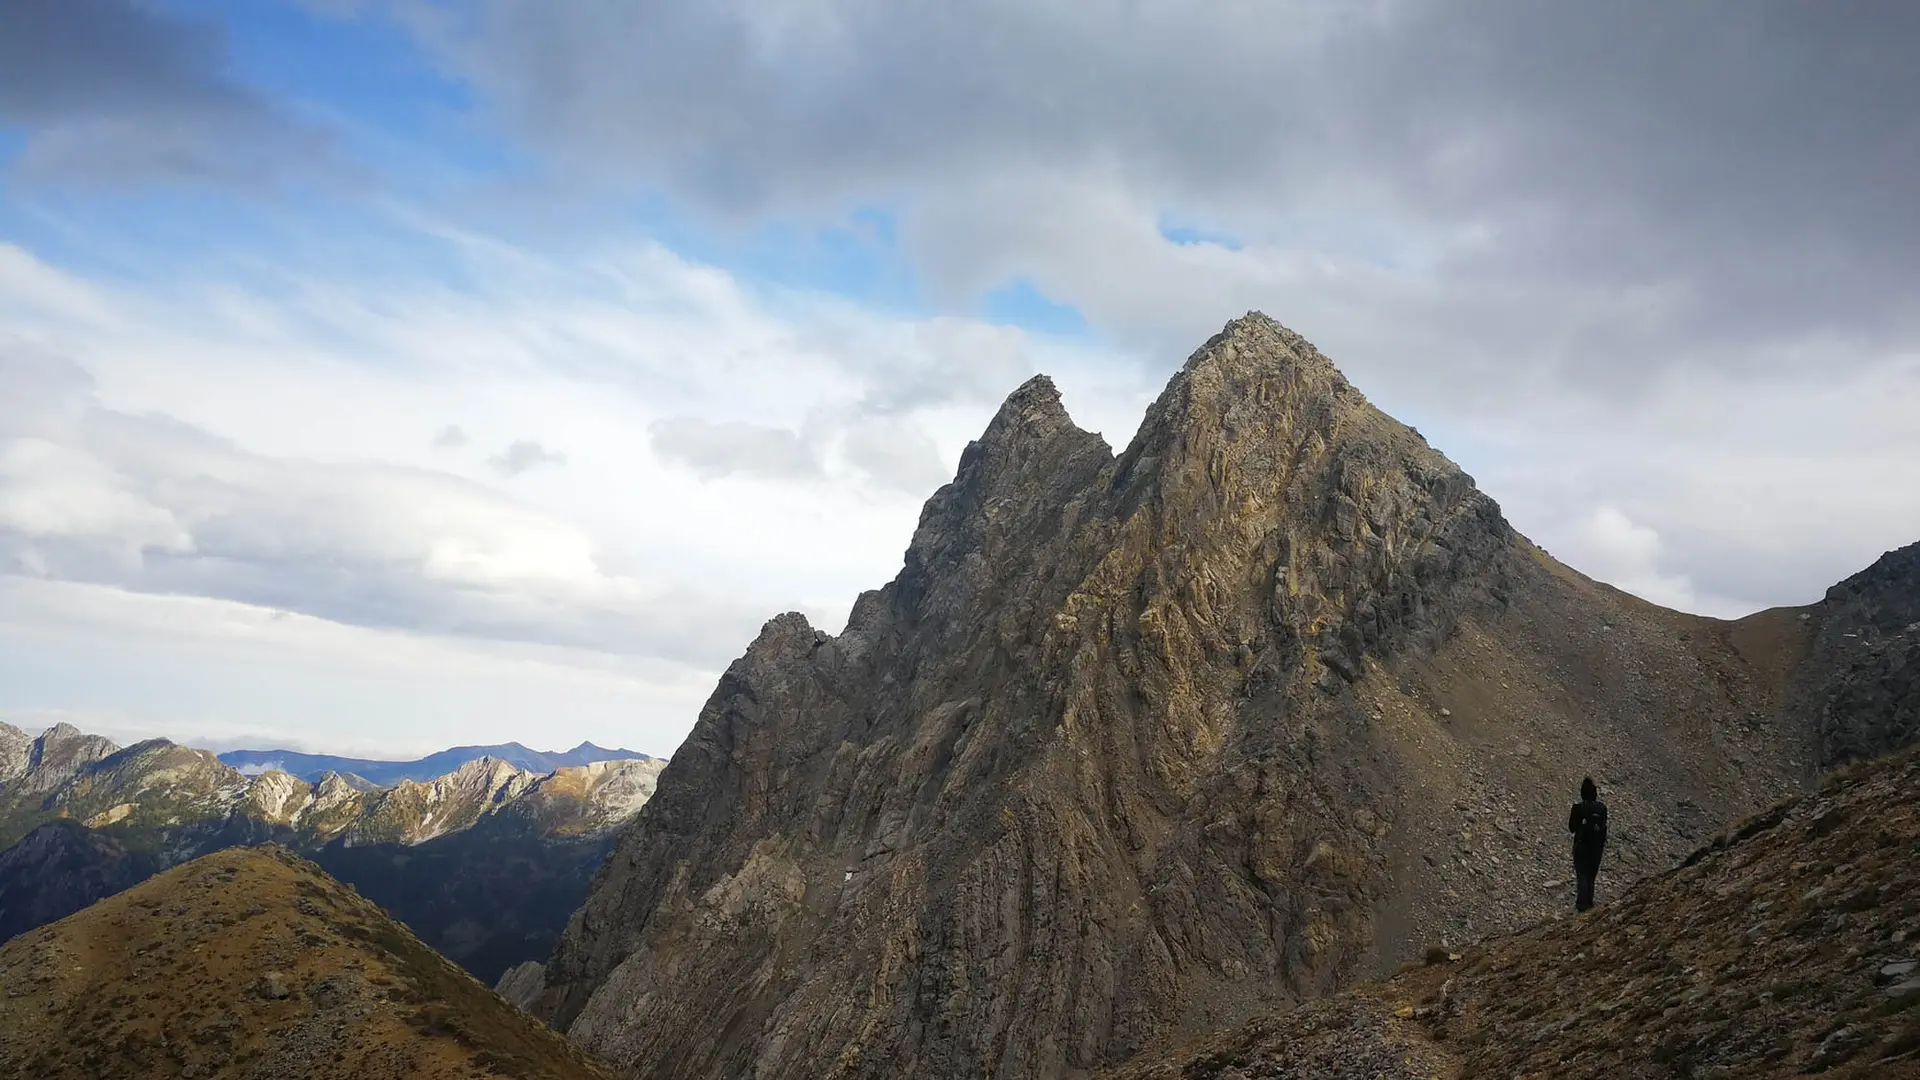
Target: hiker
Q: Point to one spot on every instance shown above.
(1588, 824)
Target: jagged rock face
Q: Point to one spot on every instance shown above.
(16, 748)
(58, 755)
(522, 983)
(1134, 746)
(411, 812)
(1860, 683)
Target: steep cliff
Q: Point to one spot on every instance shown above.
(1142, 745)
(1858, 687)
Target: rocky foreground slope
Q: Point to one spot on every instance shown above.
(1789, 946)
(1145, 745)
(486, 862)
(251, 964)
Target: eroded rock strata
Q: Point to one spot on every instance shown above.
(1142, 745)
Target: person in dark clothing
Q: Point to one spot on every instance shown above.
(1588, 824)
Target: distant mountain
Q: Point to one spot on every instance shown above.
(486, 862)
(311, 767)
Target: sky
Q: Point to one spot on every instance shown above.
(381, 375)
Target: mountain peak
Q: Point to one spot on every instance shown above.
(1257, 345)
(1032, 413)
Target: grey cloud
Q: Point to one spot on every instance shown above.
(522, 455)
(1628, 185)
(117, 93)
(450, 438)
(716, 449)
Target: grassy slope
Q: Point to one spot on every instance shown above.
(254, 963)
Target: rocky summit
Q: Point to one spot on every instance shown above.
(1789, 946)
(253, 964)
(1143, 745)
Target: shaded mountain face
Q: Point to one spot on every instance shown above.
(254, 963)
(312, 767)
(486, 862)
(1859, 685)
(498, 893)
(1789, 946)
(61, 867)
(1141, 745)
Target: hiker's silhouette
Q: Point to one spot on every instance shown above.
(1588, 824)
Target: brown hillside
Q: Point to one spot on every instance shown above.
(1789, 946)
(1146, 744)
(253, 964)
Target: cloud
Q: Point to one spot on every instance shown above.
(1585, 194)
(450, 438)
(1612, 547)
(146, 503)
(714, 450)
(524, 454)
(115, 93)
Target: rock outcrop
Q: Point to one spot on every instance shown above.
(253, 963)
(522, 983)
(16, 750)
(57, 756)
(1859, 684)
(1144, 745)
(1789, 946)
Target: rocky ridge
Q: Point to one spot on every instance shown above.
(249, 964)
(1789, 945)
(1145, 744)
(1859, 684)
(312, 767)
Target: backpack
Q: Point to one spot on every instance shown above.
(1593, 826)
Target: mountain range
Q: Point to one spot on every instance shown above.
(313, 767)
(1142, 745)
(1245, 751)
(485, 862)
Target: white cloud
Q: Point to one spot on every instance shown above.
(255, 444)
(1611, 547)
